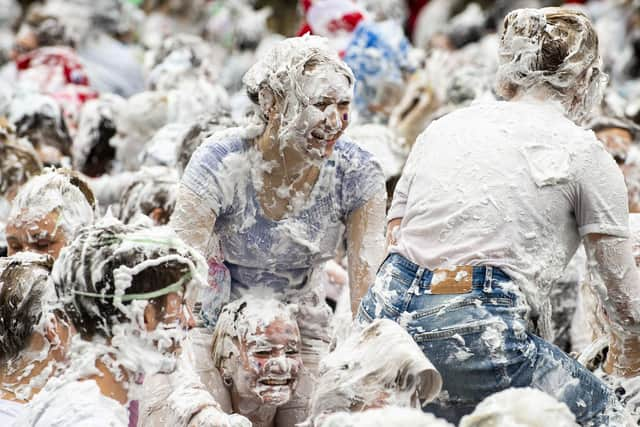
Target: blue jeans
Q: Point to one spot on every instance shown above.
(480, 344)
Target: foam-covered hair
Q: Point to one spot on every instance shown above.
(18, 159)
(380, 359)
(61, 191)
(554, 49)
(280, 69)
(242, 318)
(24, 291)
(109, 265)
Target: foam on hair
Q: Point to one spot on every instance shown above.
(240, 319)
(554, 49)
(59, 191)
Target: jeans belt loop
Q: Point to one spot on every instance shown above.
(488, 279)
(415, 287)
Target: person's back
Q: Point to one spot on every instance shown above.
(515, 187)
(494, 201)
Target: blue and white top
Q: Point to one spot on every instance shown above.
(278, 254)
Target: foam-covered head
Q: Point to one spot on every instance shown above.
(110, 265)
(47, 211)
(555, 50)
(136, 123)
(520, 407)
(178, 57)
(40, 119)
(378, 366)
(302, 87)
(198, 132)
(384, 417)
(152, 193)
(92, 150)
(18, 161)
(24, 290)
(256, 347)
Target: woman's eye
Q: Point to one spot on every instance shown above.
(321, 105)
(43, 243)
(262, 353)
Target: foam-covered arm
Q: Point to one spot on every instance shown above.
(617, 283)
(365, 246)
(193, 220)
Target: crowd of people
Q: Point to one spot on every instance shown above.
(411, 213)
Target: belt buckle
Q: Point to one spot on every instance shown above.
(452, 281)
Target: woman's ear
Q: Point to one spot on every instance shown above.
(150, 316)
(51, 332)
(267, 101)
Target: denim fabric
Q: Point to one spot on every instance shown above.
(479, 342)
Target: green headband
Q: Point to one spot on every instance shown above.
(175, 287)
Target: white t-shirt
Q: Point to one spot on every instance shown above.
(74, 404)
(9, 411)
(509, 184)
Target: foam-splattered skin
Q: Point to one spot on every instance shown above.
(256, 348)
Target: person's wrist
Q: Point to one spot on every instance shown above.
(209, 411)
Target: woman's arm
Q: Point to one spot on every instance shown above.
(193, 221)
(365, 246)
(617, 282)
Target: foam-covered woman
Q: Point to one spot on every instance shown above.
(251, 369)
(477, 245)
(282, 195)
(46, 213)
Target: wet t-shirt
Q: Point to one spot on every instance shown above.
(509, 184)
(9, 411)
(73, 404)
(278, 254)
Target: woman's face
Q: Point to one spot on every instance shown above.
(323, 115)
(267, 372)
(41, 235)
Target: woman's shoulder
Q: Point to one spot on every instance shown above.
(348, 153)
(225, 142)
(222, 145)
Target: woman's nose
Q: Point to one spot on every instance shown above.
(279, 364)
(332, 117)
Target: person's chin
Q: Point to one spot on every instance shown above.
(276, 395)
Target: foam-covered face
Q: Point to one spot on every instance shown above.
(324, 114)
(169, 321)
(267, 372)
(41, 235)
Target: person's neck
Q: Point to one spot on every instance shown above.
(291, 163)
(111, 386)
(26, 373)
(259, 414)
